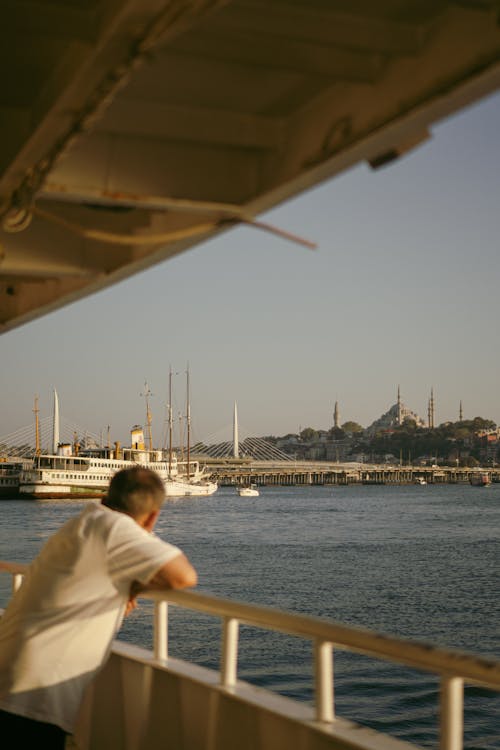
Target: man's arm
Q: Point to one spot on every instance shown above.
(178, 573)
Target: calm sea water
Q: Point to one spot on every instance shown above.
(418, 562)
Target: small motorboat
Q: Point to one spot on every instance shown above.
(250, 491)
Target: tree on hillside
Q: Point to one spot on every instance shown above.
(483, 424)
(352, 427)
(308, 434)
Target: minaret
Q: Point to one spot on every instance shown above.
(460, 413)
(431, 410)
(55, 424)
(236, 445)
(400, 412)
(336, 416)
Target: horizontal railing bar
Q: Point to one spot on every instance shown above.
(13, 568)
(423, 656)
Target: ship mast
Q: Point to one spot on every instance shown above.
(55, 424)
(170, 422)
(147, 393)
(188, 423)
(36, 412)
(181, 436)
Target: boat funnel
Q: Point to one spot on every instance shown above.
(137, 438)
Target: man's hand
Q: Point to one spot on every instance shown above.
(135, 589)
(131, 605)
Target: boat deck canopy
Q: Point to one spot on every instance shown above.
(131, 130)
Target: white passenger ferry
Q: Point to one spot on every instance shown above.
(71, 473)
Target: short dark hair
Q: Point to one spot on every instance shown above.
(135, 491)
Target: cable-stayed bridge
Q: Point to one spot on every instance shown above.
(22, 442)
(250, 447)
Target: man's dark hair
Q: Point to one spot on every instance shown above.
(135, 491)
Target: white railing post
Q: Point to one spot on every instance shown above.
(161, 630)
(323, 680)
(452, 713)
(229, 655)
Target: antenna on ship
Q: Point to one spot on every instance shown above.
(36, 412)
(147, 393)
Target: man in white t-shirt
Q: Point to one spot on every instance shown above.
(57, 631)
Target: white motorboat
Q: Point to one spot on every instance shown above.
(250, 491)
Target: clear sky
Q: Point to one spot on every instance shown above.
(404, 289)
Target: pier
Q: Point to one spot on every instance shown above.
(229, 472)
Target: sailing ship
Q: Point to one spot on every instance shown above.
(194, 482)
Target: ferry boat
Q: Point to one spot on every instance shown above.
(10, 472)
(71, 473)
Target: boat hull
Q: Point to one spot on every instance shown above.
(178, 488)
(59, 491)
(480, 481)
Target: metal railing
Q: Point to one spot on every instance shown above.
(454, 668)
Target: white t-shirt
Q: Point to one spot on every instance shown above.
(58, 628)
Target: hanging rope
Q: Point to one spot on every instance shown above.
(163, 238)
